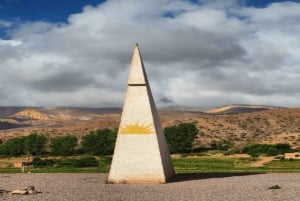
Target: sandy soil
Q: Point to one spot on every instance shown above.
(262, 160)
(204, 187)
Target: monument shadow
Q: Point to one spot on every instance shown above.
(181, 177)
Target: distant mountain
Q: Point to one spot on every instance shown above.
(31, 114)
(6, 111)
(52, 121)
(235, 124)
(237, 109)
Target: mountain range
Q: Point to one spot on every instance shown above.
(235, 124)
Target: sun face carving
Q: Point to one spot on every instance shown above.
(136, 129)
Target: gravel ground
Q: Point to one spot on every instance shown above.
(203, 187)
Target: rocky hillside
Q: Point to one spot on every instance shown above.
(270, 125)
(31, 114)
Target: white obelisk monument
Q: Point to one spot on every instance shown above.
(141, 153)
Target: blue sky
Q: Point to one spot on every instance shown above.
(49, 10)
(45, 10)
(59, 10)
(209, 53)
(263, 3)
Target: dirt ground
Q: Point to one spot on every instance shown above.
(204, 187)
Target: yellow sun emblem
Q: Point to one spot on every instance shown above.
(136, 129)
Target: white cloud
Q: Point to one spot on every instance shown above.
(10, 42)
(5, 23)
(275, 12)
(213, 53)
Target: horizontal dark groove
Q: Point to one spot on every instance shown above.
(136, 84)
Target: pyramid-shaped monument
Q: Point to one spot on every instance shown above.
(141, 154)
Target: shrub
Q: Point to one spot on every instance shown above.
(180, 137)
(271, 151)
(224, 145)
(67, 162)
(275, 187)
(64, 146)
(283, 148)
(38, 162)
(88, 161)
(99, 142)
(104, 163)
(267, 149)
(78, 163)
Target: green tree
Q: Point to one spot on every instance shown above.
(283, 148)
(63, 146)
(180, 137)
(13, 147)
(35, 144)
(271, 151)
(99, 142)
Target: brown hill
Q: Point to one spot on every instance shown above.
(268, 126)
(31, 114)
(238, 108)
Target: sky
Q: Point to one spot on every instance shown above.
(204, 53)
